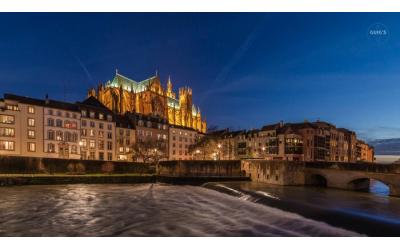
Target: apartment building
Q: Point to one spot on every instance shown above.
(153, 130)
(97, 137)
(61, 122)
(21, 126)
(365, 152)
(306, 141)
(125, 138)
(180, 139)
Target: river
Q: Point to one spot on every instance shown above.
(214, 209)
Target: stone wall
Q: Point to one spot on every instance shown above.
(274, 172)
(199, 168)
(33, 165)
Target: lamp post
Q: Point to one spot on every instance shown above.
(263, 150)
(219, 151)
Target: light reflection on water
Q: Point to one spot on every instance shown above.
(379, 188)
(145, 210)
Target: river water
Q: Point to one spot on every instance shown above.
(215, 209)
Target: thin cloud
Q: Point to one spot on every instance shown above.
(238, 55)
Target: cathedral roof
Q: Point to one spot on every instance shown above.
(129, 84)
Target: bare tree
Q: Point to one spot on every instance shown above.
(204, 148)
(149, 151)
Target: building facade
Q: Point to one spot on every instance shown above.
(149, 97)
(21, 126)
(98, 128)
(306, 141)
(180, 139)
(125, 138)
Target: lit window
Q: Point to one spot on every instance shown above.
(31, 110)
(31, 134)
(83, 143)
(31, 122)
(101, 116)
(7, 145)
(12, 107)
(7, 119)
(7, 132)
(121, 149)
(92, 143)
(59, 135)
(91, 132)
(83, 112)
(31, 146)
(51, 148)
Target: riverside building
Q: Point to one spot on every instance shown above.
(306, 141)
(97, 140)
(180, 139)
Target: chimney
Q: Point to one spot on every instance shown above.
(47, 101)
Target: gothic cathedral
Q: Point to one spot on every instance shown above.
(148, 97)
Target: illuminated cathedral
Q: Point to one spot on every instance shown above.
(148, 97)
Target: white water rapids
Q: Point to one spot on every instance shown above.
(145, 210)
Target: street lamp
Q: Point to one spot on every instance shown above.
(219, 151)
(263, 149)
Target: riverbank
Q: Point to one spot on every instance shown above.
(57, 179)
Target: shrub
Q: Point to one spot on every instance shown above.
(107, 168)
(76, 168)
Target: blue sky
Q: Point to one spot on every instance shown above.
(246, 69)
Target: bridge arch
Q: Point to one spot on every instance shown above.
(364, 184)
(317, 180)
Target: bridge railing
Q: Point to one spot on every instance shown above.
(357, 166)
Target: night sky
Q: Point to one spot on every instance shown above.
(246, 70)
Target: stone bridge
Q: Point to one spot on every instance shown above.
(351, 176)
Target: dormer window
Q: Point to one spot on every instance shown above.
(101, 116)
(83, 113)
(91, 114)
